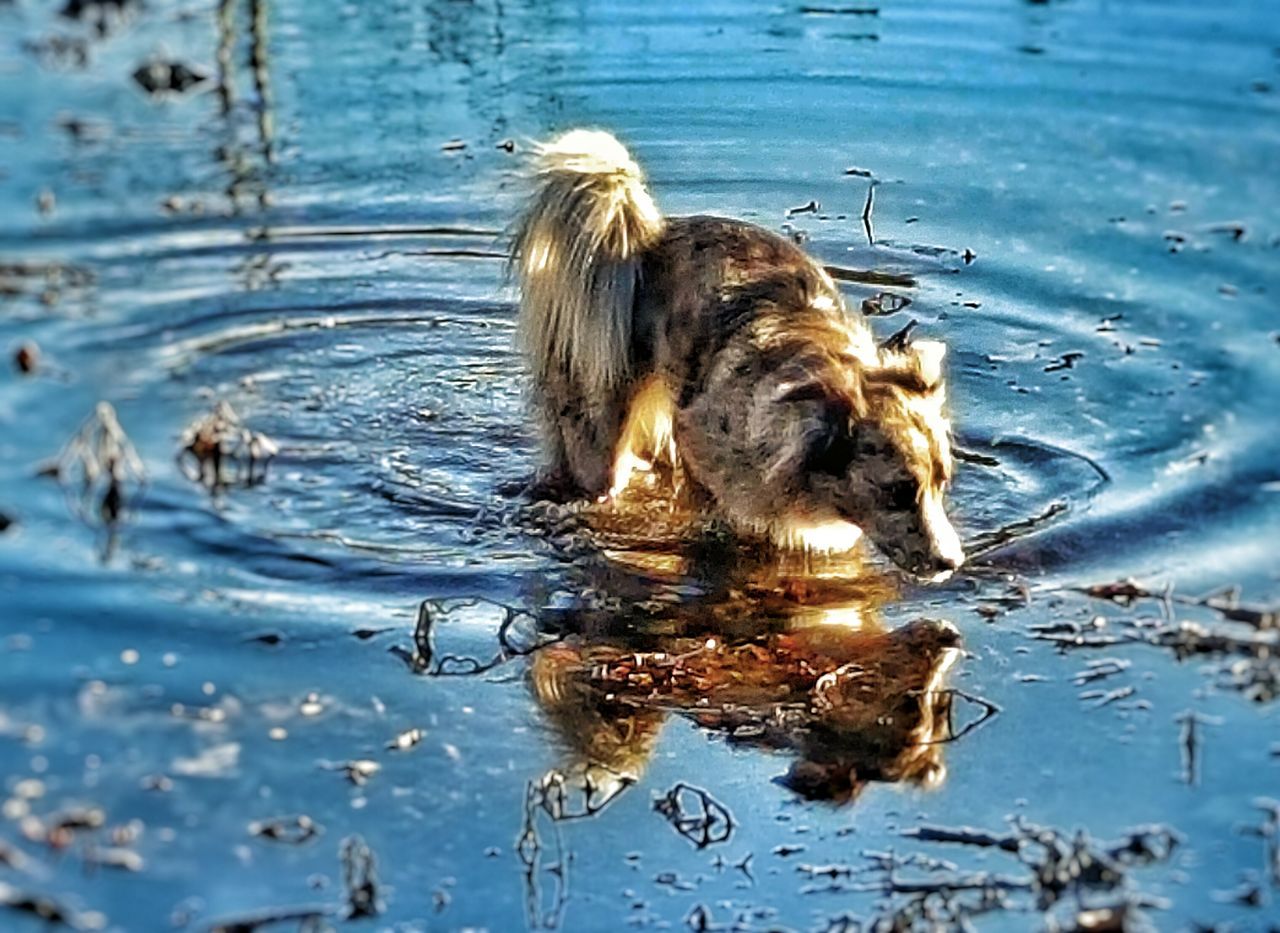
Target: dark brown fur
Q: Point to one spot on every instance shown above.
(785, 413)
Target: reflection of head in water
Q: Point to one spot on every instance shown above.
(797, 662)
(883, 717)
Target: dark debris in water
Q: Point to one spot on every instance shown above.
(840, 10)
(48, 281)
(164, 77)
(898, 341)
(293, 830)
(59, 51)
(884, 303)
(1065, 361)
(102, 15)
(696, 815)
(74, 831)
(359, 874)
(13, 858)
(27, 358)
(218, 449)
(870, 277)
(51, 911)
(1071, 879)
(100, 469)
(1244, 640)
(984, 543)
(1191, 723)
(1269, 832)
(359, 771)
(306, 918)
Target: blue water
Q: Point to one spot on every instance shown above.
(298, 237)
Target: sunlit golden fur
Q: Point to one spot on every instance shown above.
(606, 747)
(831, 434)
(577, 248)
(721, 346)
(648, 434)
(852, 704)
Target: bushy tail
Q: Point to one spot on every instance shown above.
(577, 253)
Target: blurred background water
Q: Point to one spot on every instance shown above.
(1080, 197)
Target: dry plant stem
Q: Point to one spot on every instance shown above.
(531, 852)
(270, 916)
(965, 836)
(869, 277)
(1225, 602)
(107, 464)
(219, 439)
(696, 815)
(360, 878)
(867, 207)
(984, 544)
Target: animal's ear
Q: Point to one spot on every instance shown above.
(927, 358)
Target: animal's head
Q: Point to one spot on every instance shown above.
(880, 456)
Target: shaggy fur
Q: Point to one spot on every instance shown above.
(725, 347)
(862, 705)
(577, 252)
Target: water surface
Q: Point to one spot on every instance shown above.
(1084, 195)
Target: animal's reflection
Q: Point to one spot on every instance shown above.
(785, 655)
(793, 659)
(854, 706)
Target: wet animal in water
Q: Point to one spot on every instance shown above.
(725, 347)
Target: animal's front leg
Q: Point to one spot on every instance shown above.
(590, 435)
(580, 432)
(554, 480)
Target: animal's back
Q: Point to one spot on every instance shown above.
(702, 279)
(738, 316)
(755, 428)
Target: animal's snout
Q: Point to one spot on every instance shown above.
(941, 566)
(946, 554)
(947, 561)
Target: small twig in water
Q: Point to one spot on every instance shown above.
(899, 340)
(965, 836)
(696, 815)
(360, 878)
(1100, 669)
(983, 544)
(1106, 698)
(867, 207)
(1191, 722)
